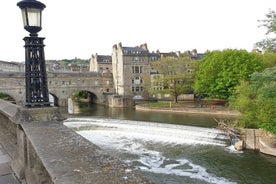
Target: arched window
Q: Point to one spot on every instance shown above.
(137, 80)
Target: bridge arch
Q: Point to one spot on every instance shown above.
(89, 95)
(8, 97)
(53, 99)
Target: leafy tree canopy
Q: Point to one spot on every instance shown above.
(220, 71)
(268, 59)
(256, 100)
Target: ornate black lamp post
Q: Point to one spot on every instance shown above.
(36, 76)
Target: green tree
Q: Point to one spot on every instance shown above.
(175, 76)
(268, 59)
(77, 96)
(220, 72)
(268, 44)
(256, 100)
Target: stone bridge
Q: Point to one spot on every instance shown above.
(61, 86)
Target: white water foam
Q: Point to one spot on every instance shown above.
(232, 149)
(130, 137)
(168, 133)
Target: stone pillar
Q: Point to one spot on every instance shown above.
(73, 108)
(119, 101)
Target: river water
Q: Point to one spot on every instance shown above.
(172, 148)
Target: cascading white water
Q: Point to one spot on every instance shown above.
(134, 140)
(157, 132)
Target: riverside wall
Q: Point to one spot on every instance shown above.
(257, 139)
(43, 150)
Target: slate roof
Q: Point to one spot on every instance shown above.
(104, 59)
(135, 50)
(198, 56)
(154, 56)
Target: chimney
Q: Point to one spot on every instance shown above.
(144, 46)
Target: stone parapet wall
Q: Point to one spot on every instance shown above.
(45, 151)
(8, 132)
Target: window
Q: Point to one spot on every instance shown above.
(136, 80)
(137, 69)
(136, 59)
(137, 88)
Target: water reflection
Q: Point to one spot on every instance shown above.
(180, 118)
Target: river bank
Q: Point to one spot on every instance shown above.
(194, 110)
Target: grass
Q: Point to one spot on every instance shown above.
(159, 104)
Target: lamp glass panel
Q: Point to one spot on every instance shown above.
(23, 11)
(34, 17)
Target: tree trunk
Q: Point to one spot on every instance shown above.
(175, 98)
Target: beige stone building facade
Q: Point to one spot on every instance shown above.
(11, 66)
(131, 71)
(101, 63)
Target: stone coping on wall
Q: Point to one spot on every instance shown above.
(70, 158)
(8, 109)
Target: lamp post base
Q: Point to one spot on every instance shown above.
(36, 76)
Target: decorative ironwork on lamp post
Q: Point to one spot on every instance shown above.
(35, 69)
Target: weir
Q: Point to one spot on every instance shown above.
(154, 147)
(43, 150)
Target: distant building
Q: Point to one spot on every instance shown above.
(158, 87)
(131, 70)
(101, 63)
(168, 54)
(194, 55)
(11, 66)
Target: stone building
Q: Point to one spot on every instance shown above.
(11, 66)
(131, 71)
(101, 63)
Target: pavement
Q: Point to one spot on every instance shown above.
(7, 176)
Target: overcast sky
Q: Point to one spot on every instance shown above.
(85, 27)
